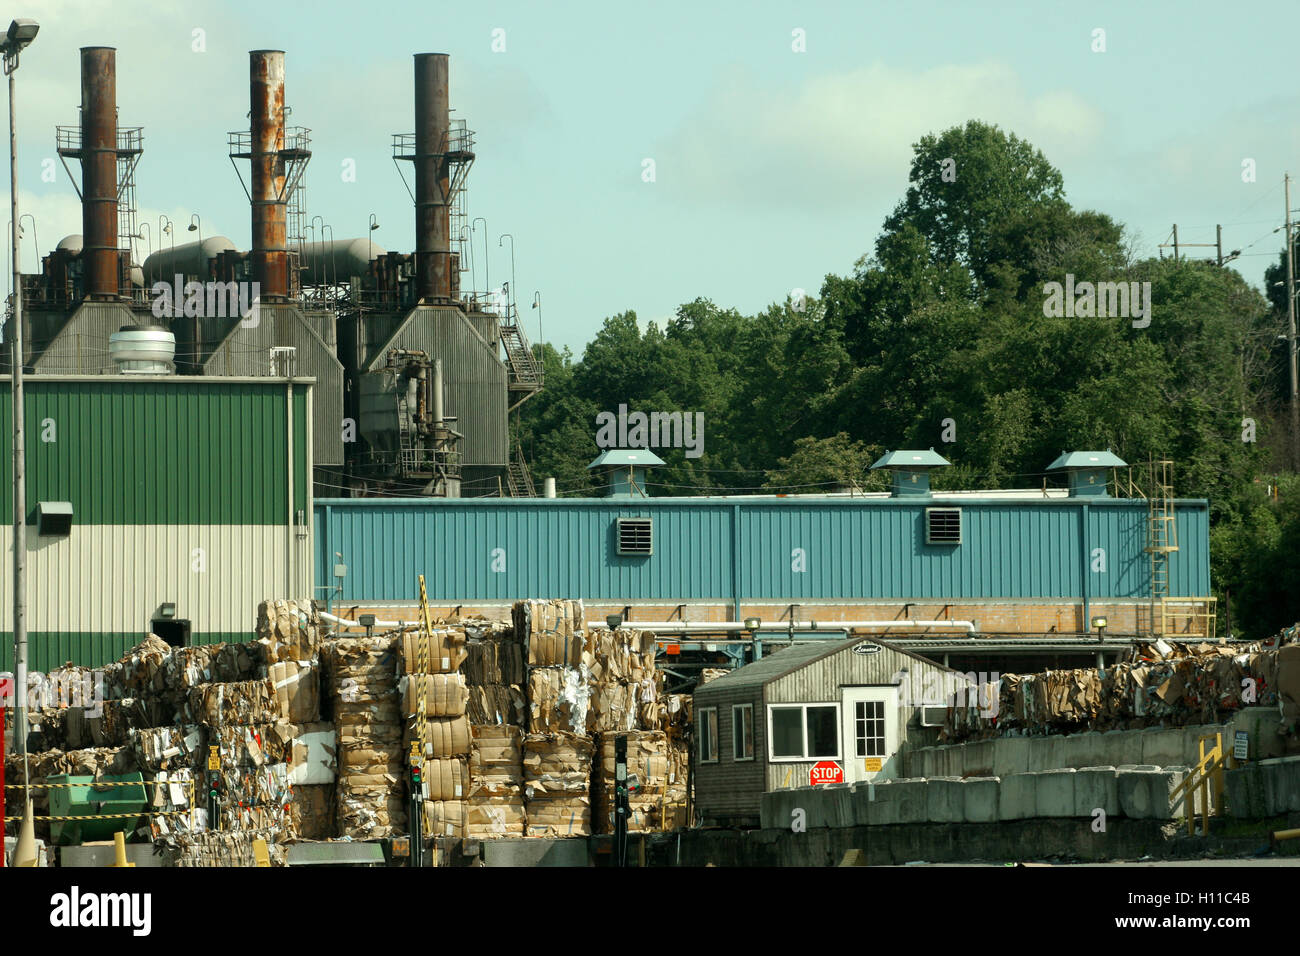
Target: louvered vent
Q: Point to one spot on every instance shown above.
(943, 526)
(635, 535)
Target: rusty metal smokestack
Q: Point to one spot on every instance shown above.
(432, 178)
(270, 257)
(99, 170)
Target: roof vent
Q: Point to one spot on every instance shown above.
(625, 471)
(911, 471)
(143, 350)
(1087, 471)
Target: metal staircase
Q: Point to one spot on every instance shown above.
(518, 479)
(524, 371)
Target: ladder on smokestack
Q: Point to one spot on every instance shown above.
(517, 476)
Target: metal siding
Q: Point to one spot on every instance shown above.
(182, 451)
(247, 351)
(81, 346)
(727, 788)
(47, 650)
(105, 579)
(475, 377)
(870, 549)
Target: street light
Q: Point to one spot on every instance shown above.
(504, 237)
(145, 233)
(36, 245)
(21, 33)
(537, 304)
(370, 252)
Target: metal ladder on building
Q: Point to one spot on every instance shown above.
(525, 373)
(405, 439)
(1162, 536)
(517, 476)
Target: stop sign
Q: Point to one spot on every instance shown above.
(827, 771)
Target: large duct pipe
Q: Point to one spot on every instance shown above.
(270, 257)
(432, 178)
(99, 170)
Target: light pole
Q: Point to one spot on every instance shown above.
(196, 224)
(167, 231)
(145, 233)
(370, 239)
(504, 237)
(20, 34)
(537, 304)
(36, 245)
(487, 272)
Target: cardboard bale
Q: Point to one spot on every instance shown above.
(496, 818)
(446, 779)
(176, 747)
(297, 690)
(556, 763)
(554, 631)
(312, 811)
(312, 754)
(255, 798)
(558, 699)
(444, 818)
(445, 695)
(710, 674)
(496, 704)
(245, 702)
(441, 737)
(137, 672)
(624, 654)
(443, 651)
(289, 630)
(647, 766)
(369, 811)
(623, 706)
(558, 817)
(496, 765)
(219, 848)
(495, 658)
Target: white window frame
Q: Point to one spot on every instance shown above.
(704, 734)
(735, 710)
(803, 726)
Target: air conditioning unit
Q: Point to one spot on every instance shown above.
(933, 716)
(635, 536)
(943, 526)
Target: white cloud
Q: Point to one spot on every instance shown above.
(834, 136)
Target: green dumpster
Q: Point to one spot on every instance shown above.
(84, 798)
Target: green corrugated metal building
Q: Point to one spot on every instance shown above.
(180, 490)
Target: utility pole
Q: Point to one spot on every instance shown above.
(1290, 328)
(1218, 246)
(1175, 242)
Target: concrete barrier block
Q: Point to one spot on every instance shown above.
(943, 800)
(1010, 756)
(874, 804)
(980, 799)
(1166, 747)
(1095, 787)
(1245, 793)
(837, 799)
(775, 806)
(1017, 797)
(1054, 796)
(1145, 794)
(1121, 747)
(1044, 753)
(977, 760)
(910, 797)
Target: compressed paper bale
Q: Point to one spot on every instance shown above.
(445, 818)
(554, 629)
(446, 779)
(558, 698)
(445, 695)
(623, 654)
(170, 747)
(558, 817)
(297, 690)
(443, 651)
(245, 702)
(496, 704)
(441, 736)
(289, 630)
(494, 658)
(648, 762)
(495, 817)
(496, 762)
(220, 848)
(313, 812)
(556, 764)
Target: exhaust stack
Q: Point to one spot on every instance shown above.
(270, 257)
(432, 178)
(98, 155)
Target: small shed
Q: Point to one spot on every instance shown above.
(857, 703)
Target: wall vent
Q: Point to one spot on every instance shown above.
(943, 526)
(635, 535)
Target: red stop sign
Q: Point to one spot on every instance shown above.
(828, 771)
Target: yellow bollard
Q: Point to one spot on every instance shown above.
(260, 854)
(119, 849)
(25, 851)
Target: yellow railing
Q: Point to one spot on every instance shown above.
(1204, 784)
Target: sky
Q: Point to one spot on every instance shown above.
(641, 156)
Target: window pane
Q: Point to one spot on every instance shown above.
(787, 732)
(742, 732)
(708, 734)
(823, 740)
(748, 739)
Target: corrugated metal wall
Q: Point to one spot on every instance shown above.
(474, 375)
(247, 351)
(159, 450)
(81, 346)
(869, 549)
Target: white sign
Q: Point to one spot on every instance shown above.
(866, 647)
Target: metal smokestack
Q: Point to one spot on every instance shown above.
(99, 170)
(270, 258)
(432, 179)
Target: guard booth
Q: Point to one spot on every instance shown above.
(815, 712)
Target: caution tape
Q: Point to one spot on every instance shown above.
(117, 816)
(96, 785)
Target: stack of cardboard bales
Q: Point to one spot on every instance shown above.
(431, 671)
(362, 675)
(496, 783)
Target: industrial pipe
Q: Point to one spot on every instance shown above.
(99, 170)
(270, 256)
(346, 623)
(687, 627)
